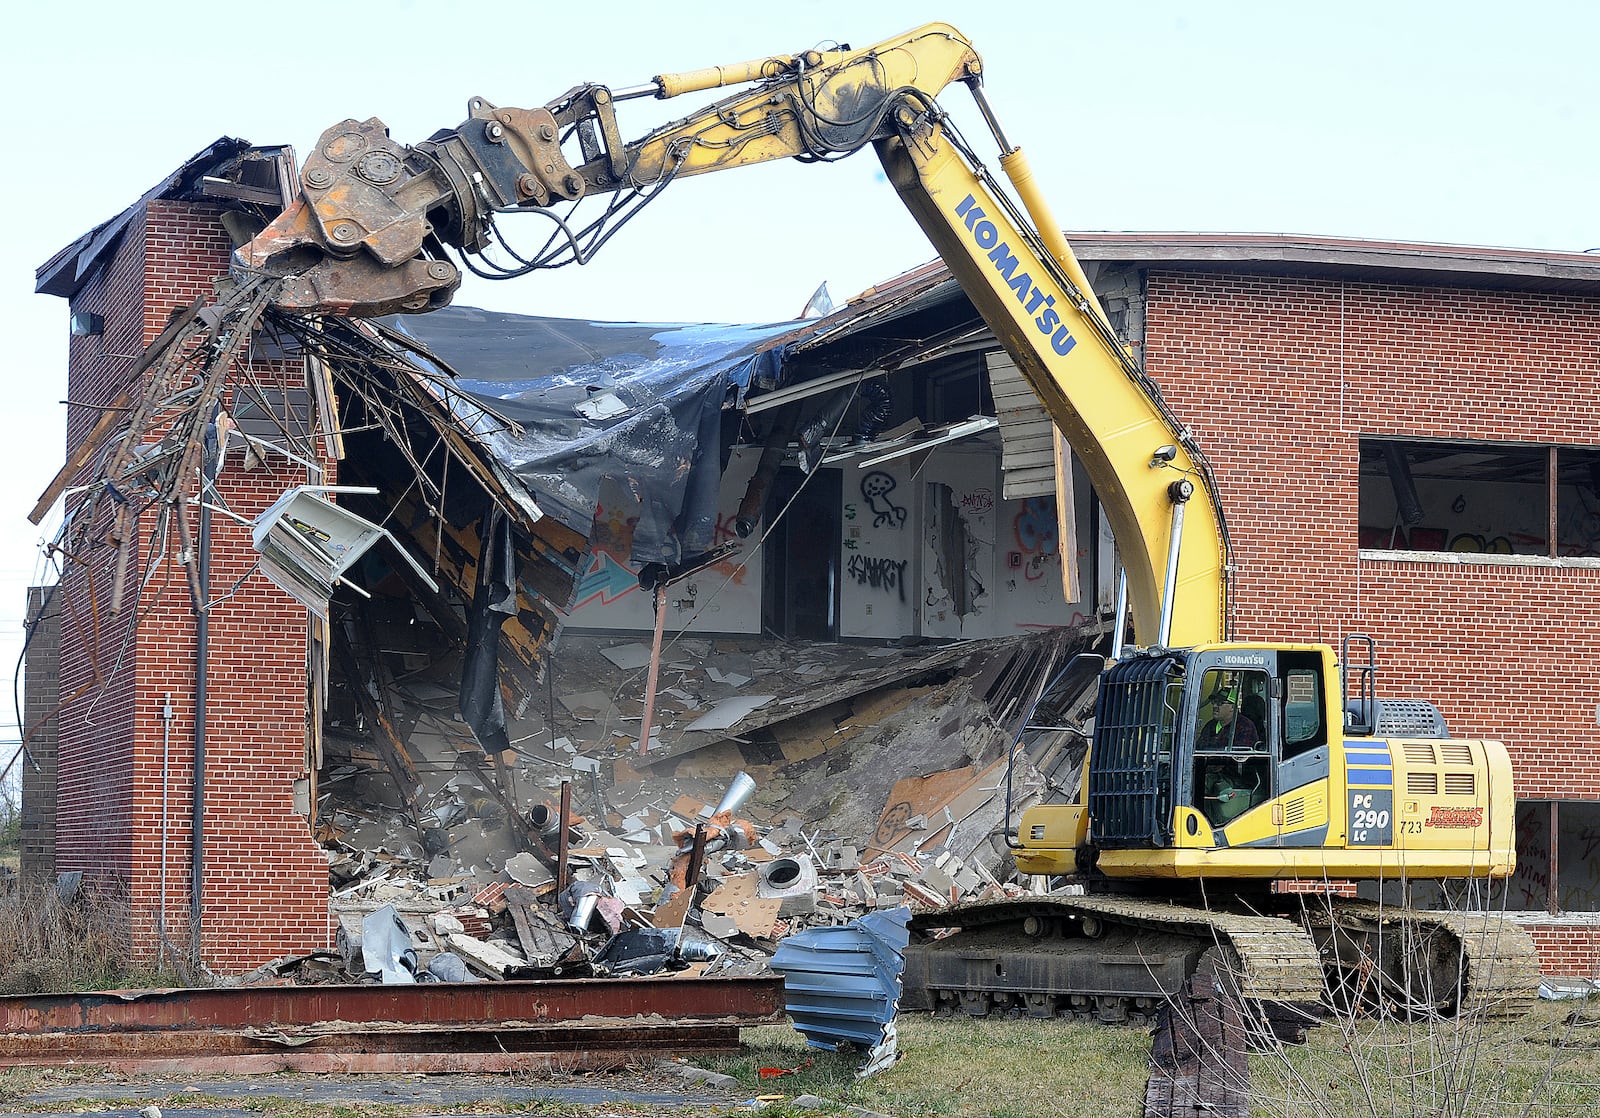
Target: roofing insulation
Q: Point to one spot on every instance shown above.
(640, 404)
(67, 271)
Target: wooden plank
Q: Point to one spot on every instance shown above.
(114, 411)
(1199, 1065)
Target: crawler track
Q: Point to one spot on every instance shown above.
(1450, 963)
(1115, 959)
(1118, 959)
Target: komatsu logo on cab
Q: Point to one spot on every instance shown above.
(1035, 302)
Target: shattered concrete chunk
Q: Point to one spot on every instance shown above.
(445, 925)
(527, 870)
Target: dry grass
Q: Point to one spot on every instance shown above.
(48, 945)
(1540, 1067)
(1546, 1064)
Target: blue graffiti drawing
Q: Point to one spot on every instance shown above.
(875, 488)
(1037, 534)
(605, 580)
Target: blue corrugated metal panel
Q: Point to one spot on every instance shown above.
(843, 984)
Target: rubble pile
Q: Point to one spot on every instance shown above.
(695, 862)
(621, 913)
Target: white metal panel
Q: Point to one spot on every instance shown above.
(1027, 436)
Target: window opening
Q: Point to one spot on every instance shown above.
(1465, 497)
(1577, 501)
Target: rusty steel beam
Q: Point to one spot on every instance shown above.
(384, 1049)
(571, 1024)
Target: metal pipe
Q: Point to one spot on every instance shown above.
(166, 784)
(1170, 585)
(202, 650)
(564, 842)
(772, 454)
(742, 787)
(1118, 635)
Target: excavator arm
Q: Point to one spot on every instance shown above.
(370, 231)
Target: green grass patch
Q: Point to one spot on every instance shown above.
(1539, 1066)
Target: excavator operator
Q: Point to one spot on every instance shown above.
(1229, 788)
(1224, 729)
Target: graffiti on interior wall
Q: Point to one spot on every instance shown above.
(978, 501)
(1471, 543)
(1037, 535)
(727, 532)
(1578, 527)
(1577, 877)
(605, 581)
(887, 575)
(875, 490)
(1529, 887)
(610, 577)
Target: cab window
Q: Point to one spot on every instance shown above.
(1304, 723)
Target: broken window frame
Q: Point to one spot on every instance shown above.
(1554, 842)
(1394, 518)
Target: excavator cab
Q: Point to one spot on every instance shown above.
(1190, 741)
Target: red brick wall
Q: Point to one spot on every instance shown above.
(98, 658)
(1280, 377)
(1571, 950)
(264, 884)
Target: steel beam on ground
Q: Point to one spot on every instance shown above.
(431, 1027)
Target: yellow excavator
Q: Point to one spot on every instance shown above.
(1215, 768)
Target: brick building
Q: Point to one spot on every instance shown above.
(1403, 437)
(1407, 443)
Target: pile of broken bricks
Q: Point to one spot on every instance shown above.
(626, 908)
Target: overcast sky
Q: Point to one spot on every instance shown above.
(1464, 122)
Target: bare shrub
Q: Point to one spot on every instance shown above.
(52, 945)
(1397, 1042)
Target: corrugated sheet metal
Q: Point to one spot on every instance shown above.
(1027, 436)
(843, 984)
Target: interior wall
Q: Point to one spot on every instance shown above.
(906, 524)
(723, 598)
(992, 567)
(878, 552)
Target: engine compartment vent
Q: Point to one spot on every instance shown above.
(1403, 718)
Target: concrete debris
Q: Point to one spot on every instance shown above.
(701, 862)
(490, 959)
(527, 870)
